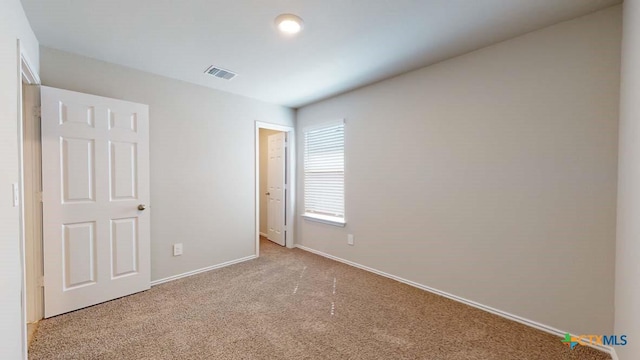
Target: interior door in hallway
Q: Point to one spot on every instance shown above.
(276, 188)
(95, 172)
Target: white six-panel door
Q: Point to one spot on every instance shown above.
(95, 175)
(276, 188)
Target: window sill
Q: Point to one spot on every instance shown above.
(329, 220)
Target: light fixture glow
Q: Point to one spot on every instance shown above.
(289, 24)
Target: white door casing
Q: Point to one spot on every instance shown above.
(95, 171)
(276, 188)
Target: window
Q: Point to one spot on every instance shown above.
(324, 174)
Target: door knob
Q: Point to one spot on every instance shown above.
(142, 207)
(268, 194)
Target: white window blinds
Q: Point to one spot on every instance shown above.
(324, 170)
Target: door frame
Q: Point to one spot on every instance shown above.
(290, 176)
(31, 194)
(28, 75)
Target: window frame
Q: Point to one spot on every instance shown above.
(322, 218)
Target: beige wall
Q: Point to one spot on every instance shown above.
(264, 166)
(13, 26)
(490, 176)
(628, 242)
(202, 149)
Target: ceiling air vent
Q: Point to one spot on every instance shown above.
(220, 73)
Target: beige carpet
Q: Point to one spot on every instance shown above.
(290, 304)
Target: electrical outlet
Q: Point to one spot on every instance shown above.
(177, 249)
(350, 239)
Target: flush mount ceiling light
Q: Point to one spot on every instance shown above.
(289, 24)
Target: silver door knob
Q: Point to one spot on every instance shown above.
(142, 207)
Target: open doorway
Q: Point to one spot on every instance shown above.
(274, 184)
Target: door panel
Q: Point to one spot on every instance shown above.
(78, 176)
(123, 170)
(124, 245)
(276, 187)
(76, 114)
(95, 163)
(79, 254)
(126, 121)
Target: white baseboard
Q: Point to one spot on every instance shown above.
(548, 329)
(204, 269)
(613, 354)
(263, 234)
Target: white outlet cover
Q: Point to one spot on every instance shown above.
(177, 249)
(350, 239)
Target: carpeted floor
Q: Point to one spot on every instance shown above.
(290, 304)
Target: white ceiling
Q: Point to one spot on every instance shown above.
(345, 43)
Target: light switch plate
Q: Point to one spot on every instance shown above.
(16, 195)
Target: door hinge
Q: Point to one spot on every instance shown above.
(39, 196)
(41, 281)
(37, 111)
